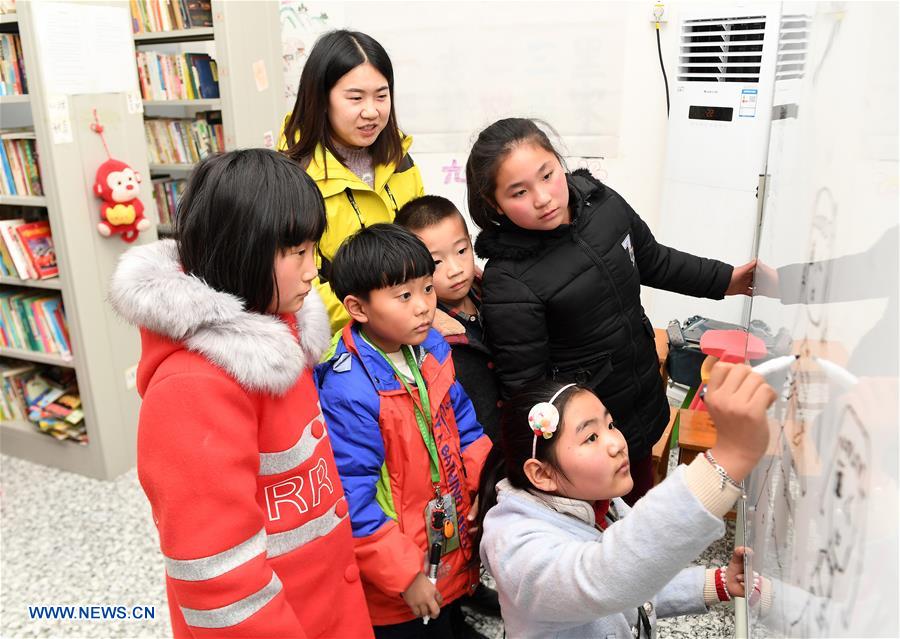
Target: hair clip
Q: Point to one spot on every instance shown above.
(543, 419)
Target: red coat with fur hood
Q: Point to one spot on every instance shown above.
(235, 459)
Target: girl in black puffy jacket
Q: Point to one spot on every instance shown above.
(566, 259)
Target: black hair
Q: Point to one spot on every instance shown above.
(335, 54)
(490, 149)
(426, 211)
(513, 448)
(238, 211)
(376, 257)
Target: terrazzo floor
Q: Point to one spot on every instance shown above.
(70, 540)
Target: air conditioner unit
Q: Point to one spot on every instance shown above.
(718, 135)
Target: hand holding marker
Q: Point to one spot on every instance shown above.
(768, 367)
(434, 559)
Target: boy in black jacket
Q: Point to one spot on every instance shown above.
(441, 227)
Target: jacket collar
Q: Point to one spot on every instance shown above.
(580, 510)
(377, 369)
(508, 241)
(341, 178)
(263, 353)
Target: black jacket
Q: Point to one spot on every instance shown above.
(566, 304)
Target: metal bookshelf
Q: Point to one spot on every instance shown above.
(244, 35)
(104, 349)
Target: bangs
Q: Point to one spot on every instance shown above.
(399, 267)
(302, 218)
(377, 257)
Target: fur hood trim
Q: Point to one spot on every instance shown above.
(150, 290)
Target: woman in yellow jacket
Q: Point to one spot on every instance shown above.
(343, 131)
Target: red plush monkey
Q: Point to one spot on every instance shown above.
(117, 184)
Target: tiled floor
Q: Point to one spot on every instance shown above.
(69, 540)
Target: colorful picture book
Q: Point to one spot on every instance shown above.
(34, 320)
(26, 250)
(169, 15)
(181, 76)
(184, 141)
(19, 173)
(47, 396)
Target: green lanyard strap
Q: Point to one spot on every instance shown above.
(423, 415)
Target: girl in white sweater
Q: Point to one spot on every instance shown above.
(567, 560)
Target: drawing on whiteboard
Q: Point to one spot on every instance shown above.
(300, 26)
(836, 575)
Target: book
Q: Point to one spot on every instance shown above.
(12, 68)
(20, 173)
(37, 241)
(34, 321)
(17, 253)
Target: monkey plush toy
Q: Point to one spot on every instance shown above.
(121, 212)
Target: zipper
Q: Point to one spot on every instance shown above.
(599, 263)
(387, 190)
(349, 193)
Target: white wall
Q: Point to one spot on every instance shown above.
(636, 168)
(637, 172)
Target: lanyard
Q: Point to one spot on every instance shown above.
(423, 415)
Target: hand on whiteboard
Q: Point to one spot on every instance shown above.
(765, 281)
(737, 400)
(742, 279)
(734, 572)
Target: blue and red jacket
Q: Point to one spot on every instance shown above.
(384, 466)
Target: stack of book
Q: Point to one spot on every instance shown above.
(26, 250)
(34, 321)
(46, 396)
(166, 192)
(169, 15)
(19, 174)
(12, 65)
(179, 76)
(184, 141)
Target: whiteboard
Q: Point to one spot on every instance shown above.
(821, 514)
(460, 66)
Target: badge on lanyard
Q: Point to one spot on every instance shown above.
(442, 523)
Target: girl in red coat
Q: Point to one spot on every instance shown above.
(233, 452)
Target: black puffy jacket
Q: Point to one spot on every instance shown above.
(565, 304)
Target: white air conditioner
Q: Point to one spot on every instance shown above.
(718, 135)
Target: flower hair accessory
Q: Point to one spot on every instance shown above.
(543, 419)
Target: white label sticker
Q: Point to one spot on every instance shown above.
(58, 115)
(131, 377)
(748, 103)
(134, 102)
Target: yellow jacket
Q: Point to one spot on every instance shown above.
(394, 187)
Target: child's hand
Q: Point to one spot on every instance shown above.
(734, 572)
(742, 279)
(737, 399)
(423, 597)
(446, 325)
(472, 516)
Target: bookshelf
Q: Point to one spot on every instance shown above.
(104, 349)
(245, 42)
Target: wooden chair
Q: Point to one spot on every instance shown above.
(662, 447)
